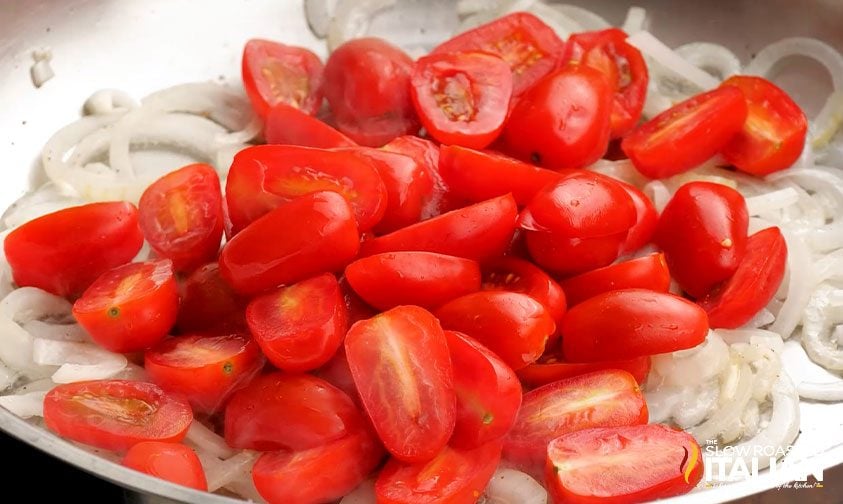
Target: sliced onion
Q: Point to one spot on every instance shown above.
(318, 14)
(731, 407)
(815, 332)
(691, 367)
(622, 170)
(221, 473)
(509, 486)
(77, 361)
(41, 72)
(828, 120)
(636, 20)
(25, 405)
(708, 56)
(763, 318)
(8, 377)
(826, 392)
(645, 42)
(31, 303)
(351, 19)
(16, 350)
(658, 194)
(363, 494)
(106, 101)
(203, 438)
(798, 287)
(772, 201)
(59, 332)
(765, 60)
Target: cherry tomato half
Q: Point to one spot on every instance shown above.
(646, 220)
(275, 73)
(209, 304)
(169, 461)
(648, 272)
(549, 369)
(115, 414)
(286, 125)
(337, 373)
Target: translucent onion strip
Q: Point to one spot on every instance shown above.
(645, 42)
(708, 56)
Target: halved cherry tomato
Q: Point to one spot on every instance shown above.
(549, 369)
(275, 73)
(530, 47)
(604, 398)
(319, 235)
(640, 463)
(773, 135)
(455, 476)
(488, 392)
(319, 474)
(278, 411)
(477, 175)
(513, 325)
(481, 232)
(131, 307)
(173, 462)
(562, 121)
(687, 134)
(367, 83)
(648, 272)
(264, 176)
(209, 304)
(300, 327)
(115, 414)
(205, 370)
(608, 52)
(702, 231)
(401, 366)
(65, 251)
(424, 279)
(462, 98)
(286, 125)
(337, 373)
(180, 215)
(646, 220)
(753, 285)
(357, 308)
(629, 323)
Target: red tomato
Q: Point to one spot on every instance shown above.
(702, 231)
(414, 278)
(401, 366)
(205, 370)
(773, 135)
(477, 176)
(278, 411)
(462, 98)
(275, 73)
(481, 232)
(605, 398)
(169, 461)
(488, 393)
(320, 235)
(608, 52)
(513, 325)
(753, 285)
(180, 215)
(286, 125)
(367, 83)
(357, 308)
(648, 272)
(131, 307)
(300, 327)
(337, 373)
(455, 476)
(208, 303)
(629, 323)
(562, 121)
(646, 220)
(264, 176)
(115, 414)
(687, 134)
(550, 369)
(639, 463)
(317, 475)
(530, 47)
(63, 252)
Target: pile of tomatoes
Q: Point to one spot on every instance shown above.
(406, 290)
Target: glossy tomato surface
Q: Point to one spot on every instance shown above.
(275, 73)
(646, 220)
(287, 125)
(550, 368)
(649, 272)
(169, 461)
(209, 304)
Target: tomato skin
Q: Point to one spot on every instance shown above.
(424, 279)
(320, 235)
(209, 304)
(606, 398)
(180, 215)
(702, 231)
(65, 251)
(337, 372)
(629, 323)
(115, 414)
(316, 475)
(773, 135)
(277, 411)
(512, 325)
(488, 393)
(753, 285)
(606, 465)
(648, 272)
(454, 476)
(646, 220)
(462, 98)
(478, 175)
(205, 370)
(367, 83)
(687, 134)
(550, 369)
(402, 369)
(301, 326)
(131, 307)
(169, 461)
(531, 48)
(286, 125)
(480, 232)
(262, 177)
(275, 73)
(562, 121)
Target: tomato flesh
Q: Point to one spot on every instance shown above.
(549, 369)
(209, 304)
(169, 461)
(286, 125)
(646, 220)
(275, 73)
(648, 272)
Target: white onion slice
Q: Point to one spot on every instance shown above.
(708, 56)
(645, 42)
(658, 194)
(59, 332)
(509, 486)
(765, 60)
(224, 472)
(318, 14)
(8, 377)
(799, 286)
(31, 303)
(41, 72)
(351, 19)
(828, 120)
(730, 409)
(25, 405)
(106, 101)
(771, 201)
(690, 367)
(636, 20)
(827, 392)
(203, 438)
(77, 361)
(363, 494)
